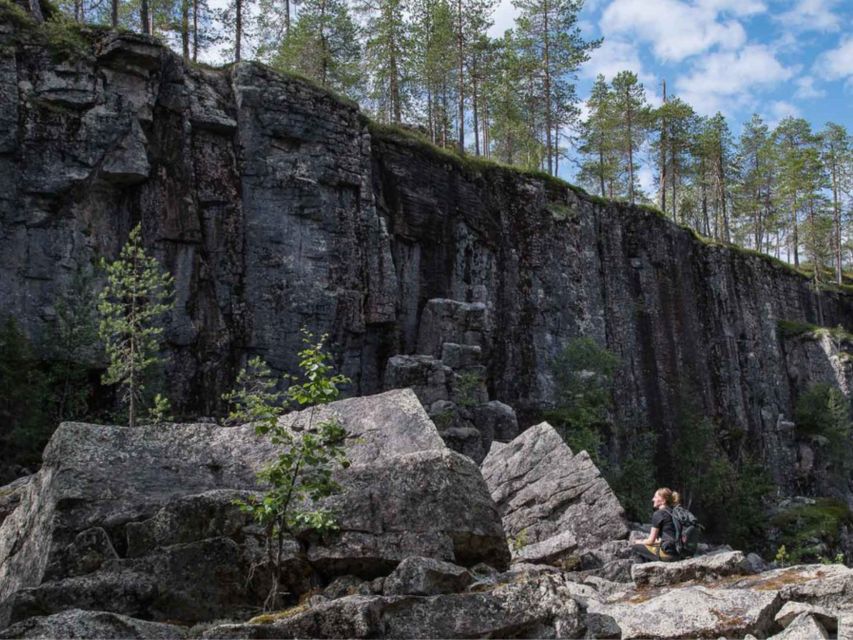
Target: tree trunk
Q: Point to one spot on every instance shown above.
(145, 17)
(663, 143)
(630, 141)
(185, 29)
(474, 107)
(547, 82)
(460, 41)
(836, 218)
(286, 18)
(114, 14)
(238, 30)
(795, 238)
(195, 30)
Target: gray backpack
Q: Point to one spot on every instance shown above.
(687, 529)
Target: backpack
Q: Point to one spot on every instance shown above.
(687, 529)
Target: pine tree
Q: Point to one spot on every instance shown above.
(323, 45)
(714, 154)
(675, 123)
(137, 293)
(433, 38)
(755, 183)
(600, 164)
(550, 26)
(632, 112)
(387, 50)
(800, 182)
(837, 156)
(471, 20)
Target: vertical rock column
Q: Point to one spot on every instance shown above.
(450, 380)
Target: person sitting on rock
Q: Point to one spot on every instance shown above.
(660, 544)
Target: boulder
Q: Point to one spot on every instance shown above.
(143, 521)
(420, 576)
(539, 607)
(791, 610)
(692, 612)
(700, 569)
(78, 623)
(430, 503)
(803, 627)
(551, 498)
(827, 586)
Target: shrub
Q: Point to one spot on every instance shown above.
(301, 474)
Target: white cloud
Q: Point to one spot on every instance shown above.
(780, 109)
(677, 29)
(504, 18)
(612, 57)
(811, 15)
(727, 79)
(837, 63)
(806, 89)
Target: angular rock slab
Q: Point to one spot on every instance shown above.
(692, 612)
(540, 607)
(803, 627)
(142, 521)
(426, 577)
(550, 497)
(828, 619)
(77, 623)
(700, 568)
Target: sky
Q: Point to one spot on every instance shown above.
(776, 58)
(773, 57)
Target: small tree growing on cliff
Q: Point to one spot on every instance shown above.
(301, 474)
(137, 293)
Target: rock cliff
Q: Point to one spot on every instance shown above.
(277, 205)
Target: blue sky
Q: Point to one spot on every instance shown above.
(773, 57)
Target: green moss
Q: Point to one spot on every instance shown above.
(794, 329)
(64, 38)
(560, 211)
(12, 14)
(269, 618)
(804, 528)
(652, 209)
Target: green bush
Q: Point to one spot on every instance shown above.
(583, 373)
(808, 531)
(822, 415)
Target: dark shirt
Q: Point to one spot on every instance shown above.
(662, 521)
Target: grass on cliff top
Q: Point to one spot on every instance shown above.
(793, 329)
(470, 163)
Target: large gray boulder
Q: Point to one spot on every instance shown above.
(142, 522)
(700, 568)
(78, 623)
(692, 612)
(538, 607)
(426, 577)
(553, 502)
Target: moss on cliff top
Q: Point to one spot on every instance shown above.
(62, 37)
(793, 329)
(469, 163)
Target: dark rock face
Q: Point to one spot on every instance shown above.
(142, 522)
(274, 206)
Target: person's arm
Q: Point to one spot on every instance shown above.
(653, 536)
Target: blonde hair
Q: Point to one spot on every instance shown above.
(671, 497)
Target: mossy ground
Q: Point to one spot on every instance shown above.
(269, 618)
